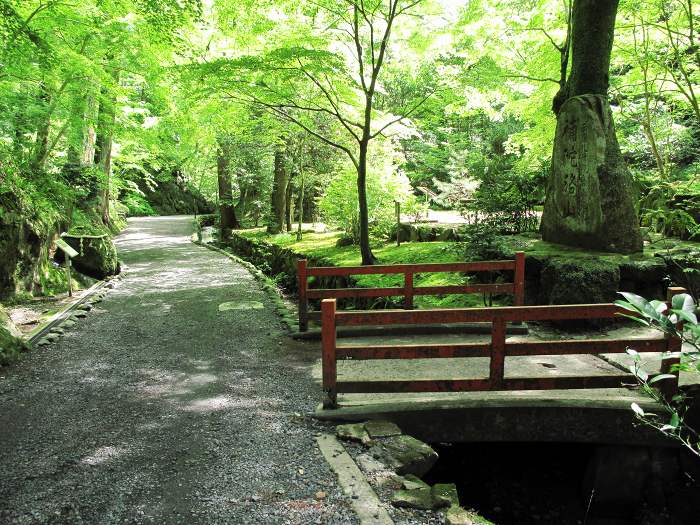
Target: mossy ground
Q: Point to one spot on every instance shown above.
(322, 245)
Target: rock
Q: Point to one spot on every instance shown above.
(456, 515)
(421, 498)
(11, 342)
(590, 194)
(345, 240)
(58, 331)
(405, 455)
(447, 234)
(320, 495)
(411, 482)
(80, 314)
(97, 255)
(381, 429)
(68, 323)
(370, 465)
(579, 281)
(353, 432)
(51, 338)
(404, 233)
(445, 495)
(85, 307)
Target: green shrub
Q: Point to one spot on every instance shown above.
(137, 205)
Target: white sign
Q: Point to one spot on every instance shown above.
(67, 248)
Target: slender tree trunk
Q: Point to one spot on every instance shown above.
(279, 195)
(289, 205)
(300, 206)
(590, 194)
(226, 209)
(365, 249)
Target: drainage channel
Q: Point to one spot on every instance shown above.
(572, 484)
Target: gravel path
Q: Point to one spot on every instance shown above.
(160, 408)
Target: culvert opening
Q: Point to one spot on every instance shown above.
(572, 484)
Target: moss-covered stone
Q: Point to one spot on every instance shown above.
(580, 280)
(445, 495)
(11, 342)
(420, 498)
(405, 455)
(97, 255)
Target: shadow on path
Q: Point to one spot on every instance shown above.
(160, 408)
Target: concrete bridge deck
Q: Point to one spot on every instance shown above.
(580, 415)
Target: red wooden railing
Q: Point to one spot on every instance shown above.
(497, 349)
(408, 290)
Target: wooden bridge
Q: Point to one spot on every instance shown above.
(590, 402)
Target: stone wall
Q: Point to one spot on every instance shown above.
(551, 277)
(281, 264)
(176, 198)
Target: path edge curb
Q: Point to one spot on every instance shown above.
(363, 499)
(57, 319)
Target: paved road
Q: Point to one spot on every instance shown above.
(160, 408)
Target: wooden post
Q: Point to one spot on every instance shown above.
(519, 279)
(397, 209)
(498, 353)
(408, 290)
(669, 387)
(302, 282)
(328, 361)
(70, 284)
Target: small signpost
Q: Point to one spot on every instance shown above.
(70, 252)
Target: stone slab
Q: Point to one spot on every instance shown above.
(363, 499)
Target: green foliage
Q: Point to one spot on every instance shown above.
(137, 205)
(679, 321)
(482, 242)
(385, 185)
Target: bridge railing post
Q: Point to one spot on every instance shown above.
(498, 353)
(328, 356)
(519, 279)
(408, 290)
(672, 357)
(302, 283)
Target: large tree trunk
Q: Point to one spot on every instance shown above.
(41, 143)
(279, 195)
(365, 249)
(88, 129)
(590, 193)
(103, 151)
(227, 211)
